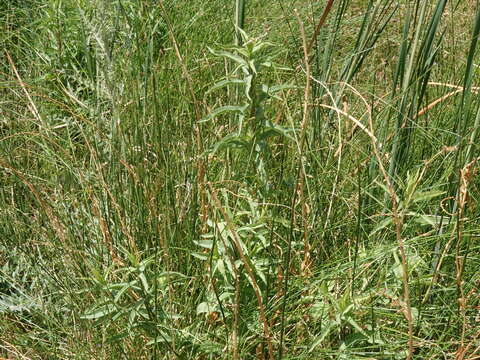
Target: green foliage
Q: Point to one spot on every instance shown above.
(253, 128)
(138, 298)
(171, 189)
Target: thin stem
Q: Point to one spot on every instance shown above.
(250, 273)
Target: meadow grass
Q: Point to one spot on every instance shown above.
(239, 180)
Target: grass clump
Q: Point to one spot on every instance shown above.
(239, 180)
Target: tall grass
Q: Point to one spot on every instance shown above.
(291, 180)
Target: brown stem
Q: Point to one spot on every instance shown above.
(31, 105)
(301, 183)
(320, 24)
(466, 173)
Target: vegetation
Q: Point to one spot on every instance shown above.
(239, 179)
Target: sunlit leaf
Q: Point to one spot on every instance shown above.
(99, 312)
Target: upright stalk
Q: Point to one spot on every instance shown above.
(239, 20)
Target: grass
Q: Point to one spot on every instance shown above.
(300, 186)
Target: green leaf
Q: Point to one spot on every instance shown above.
(352, 322)
(210, 347)
(386, 190)
(224, 109)
(432, 220)
(199, 256)
(248, 86)
(97, 275)
(124, 288)
(412, 182)
(99, 312)
(232, 141)
(260, 45)
(206, 244)
(253, 66)
(160, 339)
(382, 225)
(144, 281)
(322, 336)
(426, 195)
(204, 307)
(275, 130)
(226, 54)
(172, 273)
(273, 90)
(224, 83)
